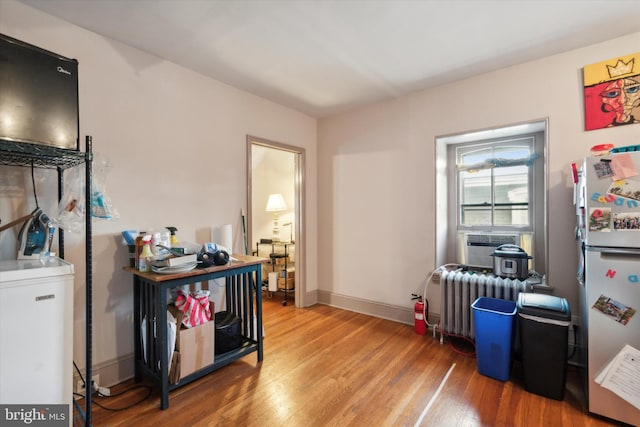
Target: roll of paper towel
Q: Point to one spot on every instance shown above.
(223, 236)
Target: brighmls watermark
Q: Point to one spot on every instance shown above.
(34, 415)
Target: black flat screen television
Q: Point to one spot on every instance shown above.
(38, 95)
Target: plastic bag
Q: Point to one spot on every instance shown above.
(171, 337)
(71, 208)
(195, 306)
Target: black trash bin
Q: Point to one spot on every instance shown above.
(544, 330)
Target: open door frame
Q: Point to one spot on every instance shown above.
(299, 210)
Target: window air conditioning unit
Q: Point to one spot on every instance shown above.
(479, 247)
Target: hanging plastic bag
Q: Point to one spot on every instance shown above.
(101, 206)
(71, 208)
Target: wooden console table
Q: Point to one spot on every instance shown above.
(150, 298)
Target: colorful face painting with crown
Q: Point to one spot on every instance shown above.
(612, 92)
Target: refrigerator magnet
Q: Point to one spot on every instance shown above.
(614, 310)
(600, 219)
(626, 221)
(625, 188)
(603, 169)
(623, 167)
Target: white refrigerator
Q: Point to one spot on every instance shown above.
(607, 201)
(36, 332)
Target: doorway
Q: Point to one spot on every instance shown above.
(274, 168)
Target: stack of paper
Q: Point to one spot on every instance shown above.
(622, 375)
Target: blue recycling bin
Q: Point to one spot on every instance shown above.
(493, 319)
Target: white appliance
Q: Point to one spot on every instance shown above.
(608, 209)
(36, 332)
(480, 246)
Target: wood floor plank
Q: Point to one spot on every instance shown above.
(329, 367)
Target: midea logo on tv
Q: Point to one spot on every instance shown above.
(63, 71)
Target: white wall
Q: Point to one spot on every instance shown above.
(376, 164)
(176, 141)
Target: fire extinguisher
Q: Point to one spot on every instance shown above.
(419, 324)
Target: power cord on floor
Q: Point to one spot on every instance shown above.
(456, 348)
(100, 393)
(139, 386)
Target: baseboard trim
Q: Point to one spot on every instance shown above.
(371, 308)
(310, 298)
(111, 372)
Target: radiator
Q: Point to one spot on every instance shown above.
(461, 288)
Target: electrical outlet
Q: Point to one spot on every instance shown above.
(80, 384)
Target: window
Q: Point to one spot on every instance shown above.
(492, 183)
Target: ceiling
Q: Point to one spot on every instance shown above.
(322, 57)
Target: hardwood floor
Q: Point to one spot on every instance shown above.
(329, 367)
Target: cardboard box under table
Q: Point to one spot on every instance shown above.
(194, 348)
